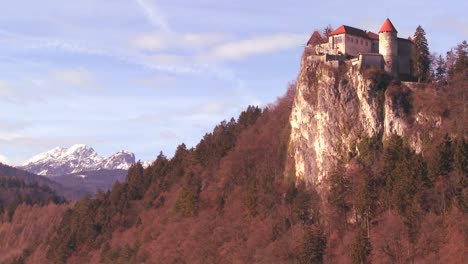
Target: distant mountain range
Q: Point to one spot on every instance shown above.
(75, 159)
(75, 171)
(90, 181)
(30, 178)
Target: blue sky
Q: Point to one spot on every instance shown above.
(147, 75)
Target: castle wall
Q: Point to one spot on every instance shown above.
(405, 54)
(371, 60)
(356, 45)
(375, 46)
(337, 41)
(349, 44)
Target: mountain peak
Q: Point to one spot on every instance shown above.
(79, 157)
(78, 147)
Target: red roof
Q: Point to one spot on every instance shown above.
(316, 39)
(349, 30)
(372, 35)
(387, 27)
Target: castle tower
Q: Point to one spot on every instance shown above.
(388, 47)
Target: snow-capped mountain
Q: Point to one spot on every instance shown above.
(147, 163)
(77, 158)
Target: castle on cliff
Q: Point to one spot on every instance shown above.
(366, 49)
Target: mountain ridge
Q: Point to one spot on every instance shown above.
(77, 158)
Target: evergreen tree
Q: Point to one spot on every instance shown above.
(326, 31)
(137, 184)
(314, 245)
(450, 60)
(361, 248)
(338, 197)
(462, 57)
(421, 58)
(440, 69)
(445, 156)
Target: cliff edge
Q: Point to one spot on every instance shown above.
(338, 106)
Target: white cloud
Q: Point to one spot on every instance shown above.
(12, 94)
(211, 108)
(154, 15)
(168, 134)
(242, 49)
(166, 41)
(152, 42)
(6, 89)
(76, 77)
(202, 39)
(166, 59)
(4, 159)
(12, 125)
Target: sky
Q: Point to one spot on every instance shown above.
(147, 75)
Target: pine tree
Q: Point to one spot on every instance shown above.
(361, 248)
(338, 196)
(421, 59)
(445, 156)
(440, 69)
(137, 184)
(314, 245)
(450, 60)
(462, 57)
(326, 31)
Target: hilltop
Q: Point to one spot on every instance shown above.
(349, 166)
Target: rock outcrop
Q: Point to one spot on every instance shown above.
(336, 107)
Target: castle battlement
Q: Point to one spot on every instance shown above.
(368, 49)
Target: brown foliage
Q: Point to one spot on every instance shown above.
(29, 231)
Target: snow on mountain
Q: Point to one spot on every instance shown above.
(147, 163)
(120, 160)
(77, 158)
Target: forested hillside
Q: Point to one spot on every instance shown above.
(234, 198)
(68, 192)
(14, 192)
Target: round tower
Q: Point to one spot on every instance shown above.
(388, 47)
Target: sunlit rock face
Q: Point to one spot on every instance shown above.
(334, 109)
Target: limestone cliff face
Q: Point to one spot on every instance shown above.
(333, 110)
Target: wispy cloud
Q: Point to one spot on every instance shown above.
(6, 90)
(187, 41)
(238, 50)
(154, 16)
(11, 94)
(4, 159)
(17, 42)
(79, 77)
(13, 125)
(47, 84)
(168, 134)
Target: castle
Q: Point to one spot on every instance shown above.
(365, 49)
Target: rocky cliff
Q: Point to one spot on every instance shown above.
(336, 107)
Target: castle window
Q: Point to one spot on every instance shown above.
(338, 39)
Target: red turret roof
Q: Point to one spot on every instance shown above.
(387, 27)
